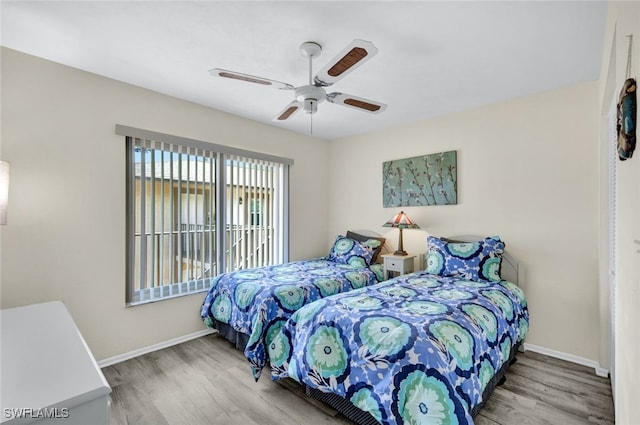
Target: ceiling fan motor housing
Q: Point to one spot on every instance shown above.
(310, 96)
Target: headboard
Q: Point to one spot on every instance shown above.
(511, 269)
(386, 248)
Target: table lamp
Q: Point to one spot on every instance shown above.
(401, 221)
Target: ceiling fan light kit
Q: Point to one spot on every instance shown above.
(308, 97)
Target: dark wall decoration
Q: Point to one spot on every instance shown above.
(626, 127)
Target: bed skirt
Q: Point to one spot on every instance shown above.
(238, 339)
(351, 412)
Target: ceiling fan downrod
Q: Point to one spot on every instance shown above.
(310, 95)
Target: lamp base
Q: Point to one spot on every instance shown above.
(400, 251)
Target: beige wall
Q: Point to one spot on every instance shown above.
(623, 19)
(527, 171)
(65, 237)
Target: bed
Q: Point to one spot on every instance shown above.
(422, 348)
(245, 305)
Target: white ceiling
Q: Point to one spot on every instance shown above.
(435, 57)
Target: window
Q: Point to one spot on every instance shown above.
(195, 210)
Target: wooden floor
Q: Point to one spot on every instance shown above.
(207, 381)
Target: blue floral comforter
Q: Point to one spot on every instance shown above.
(251, 300)
(417, 349)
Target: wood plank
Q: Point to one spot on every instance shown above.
(565, 394)
(505, 406)
(564, 369)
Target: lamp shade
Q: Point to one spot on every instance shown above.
(4, 191)
(401, 221)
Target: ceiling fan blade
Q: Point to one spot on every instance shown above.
(217, 72)
(356, 102)
(289, 110)
(351, 57)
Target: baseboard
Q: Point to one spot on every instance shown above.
(155, 347)
(568, 357)
(174, 341)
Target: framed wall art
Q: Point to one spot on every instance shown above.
(420, 181)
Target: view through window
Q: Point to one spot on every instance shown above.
(195, 210)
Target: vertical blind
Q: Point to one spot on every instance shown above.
(254, 208)
(172, 209)
(194, 212)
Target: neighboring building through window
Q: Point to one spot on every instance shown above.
(195, 210)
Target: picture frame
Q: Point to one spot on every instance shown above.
(421, 181)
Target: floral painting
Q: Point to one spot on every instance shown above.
(420, 181)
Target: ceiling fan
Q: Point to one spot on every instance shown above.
(308, 96)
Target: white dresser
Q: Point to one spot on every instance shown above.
(47, 373)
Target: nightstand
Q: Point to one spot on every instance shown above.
(401, 264)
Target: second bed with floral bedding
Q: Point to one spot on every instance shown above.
(422, 348)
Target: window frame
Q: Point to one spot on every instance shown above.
(221, 205)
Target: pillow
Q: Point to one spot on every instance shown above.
(375, 243)
(478, 261)
(349, 251)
